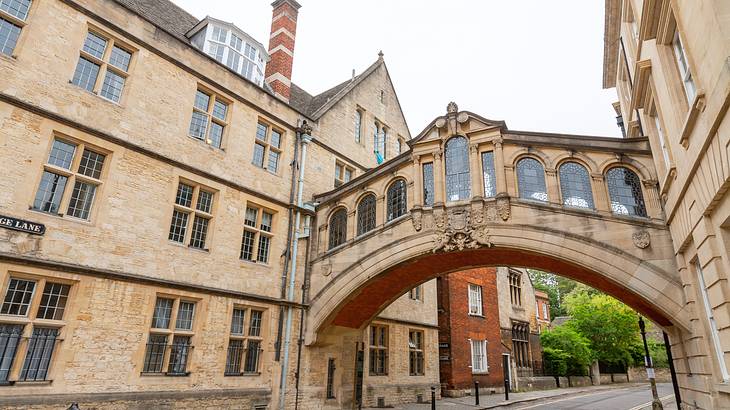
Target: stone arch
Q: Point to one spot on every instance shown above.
(535, 153)
(363, 287)
(578, 157)
(336, 209)
(387, 189)
(641, 170)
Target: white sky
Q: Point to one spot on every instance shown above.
(535, 64)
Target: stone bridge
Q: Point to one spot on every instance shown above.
(470, 192)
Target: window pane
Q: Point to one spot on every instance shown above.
(358, 125)
(38, 355)
(155, 354)
(85, 74)
(264, 242)
(216, 51)
(261, 130)
(575, 186)
(94, 45)
(178, 226)
(120, 58)
(184, 195)
(220, 109)
(81, 199)
(53, 302)
(185, 314)
(258, 155)
(216, 134)
(531, 180)
(624, 189)
(62, 154)
(16, 8)
(251, 215)
(236, 42)
(458, 181)
(234, 60)
(18, 297)
(428, 189)
(338, 228)
(113, 86)
(234, 358)
(254, 329)
(9, 34)
(205, 200)
(200, 231)
(10, 336)
(396, 198)
(273, 164)
(275, 139)
(198, 125)
(179, 352)
(366, 215)
(237, 321)
(162, 313)
(252, 356)
(220, 34)
(490, 180)
(50, 190)
(247, 245)
(202, 100)
(91, 164)
(266, 219)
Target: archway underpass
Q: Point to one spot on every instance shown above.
(583, 207)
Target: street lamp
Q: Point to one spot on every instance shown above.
(656, 404)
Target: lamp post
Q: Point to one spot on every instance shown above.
(656, 404)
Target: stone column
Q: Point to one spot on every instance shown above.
(381, 210)
(417, 182)
(438, 177)
(477, 187)
(553, 187)
(499, 168)
(651, 199)
(351, 224)
(599, 193)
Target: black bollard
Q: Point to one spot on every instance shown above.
(476, 392)
(433, 398)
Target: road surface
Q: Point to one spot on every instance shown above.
(621, 399)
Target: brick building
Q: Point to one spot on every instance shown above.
(479, 324)
(542, 310)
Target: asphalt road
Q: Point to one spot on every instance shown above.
(623, 399)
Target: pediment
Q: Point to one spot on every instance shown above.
(455, 122)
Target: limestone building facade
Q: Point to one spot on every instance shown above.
(669, 62)
(153, 216)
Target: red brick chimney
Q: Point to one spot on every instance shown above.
(281, 47)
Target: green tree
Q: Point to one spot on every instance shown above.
(567, 352)
(610, 326)
(557, 287)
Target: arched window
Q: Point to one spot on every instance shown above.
(338, 228)
(531, 180)
(575, 186)
(458, 182)
(396, 198)
(624, 189)
(366, 214)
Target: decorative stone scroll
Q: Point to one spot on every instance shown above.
(641, 239)
(455, 230)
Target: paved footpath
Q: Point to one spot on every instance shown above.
(567, 398)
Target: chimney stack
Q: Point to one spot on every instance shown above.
(281, 47)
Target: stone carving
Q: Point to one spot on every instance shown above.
(452, 108)
(455, 231)
(326, 269)
(417, 219)
(641, 239)
(503, 207)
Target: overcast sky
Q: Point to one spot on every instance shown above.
(535, 64)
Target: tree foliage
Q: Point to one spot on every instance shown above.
(557, 287)
(565, 351)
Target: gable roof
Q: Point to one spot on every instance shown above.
(164, 14)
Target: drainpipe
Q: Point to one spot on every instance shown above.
(306, 136)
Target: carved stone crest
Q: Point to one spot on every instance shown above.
(417, 219)
(503, 207)
(641, 239)
(455, 231)
(326, 269)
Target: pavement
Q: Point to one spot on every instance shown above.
(632, 396)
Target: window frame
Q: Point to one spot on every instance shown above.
(391, 202)
(170, 333)
(21, 24)
(267, 146)
(72, 175)
(515, 287)
(193, 213)
(341, 173)
(213, 98)
(246, 337)
(357, 124)
(475, 297)
(365, 223)
(378, 333)
(566, 189)
(685, 71)
(416, 354)
(258, 232)
(104, 63)
(331, 244)
(640, 190)
(457, 156)
(483, 367)
(416, 293)
(520, 191)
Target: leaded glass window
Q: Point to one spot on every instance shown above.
(338, 228)
(257, 236)
(208, 121)
(458, 181)
(428, 188)
(366, 214)
(531, 180)
(489, 175)
(396, 200)
(38, 356)
(94, 58)
(624, 190)
(18, 297)
(53, 302)
(575, 186)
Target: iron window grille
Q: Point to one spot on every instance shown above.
(531, 180)
(193, 203)
(575, 186)
(168, 350)
(38, 356)
(428, 185)
(13, 16)
(489, 174)
(244, 348)
(58, 173)
(267, 148)
(331, 378)
(256, 238)
(624, 189)
(366, 214)
(458, 179)
(396, 200)
(338, 228)
(209, 119)
(10, 337)
(378, 350)
(103, 57)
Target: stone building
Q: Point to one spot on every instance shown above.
(669, 62)
(485, 314)
(154, 220)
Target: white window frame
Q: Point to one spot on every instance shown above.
(685, 72)
(475, 300)
(662, 139)
(714, 333)
(483, 366)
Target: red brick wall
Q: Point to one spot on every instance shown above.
(281, 62)
(456, 327)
